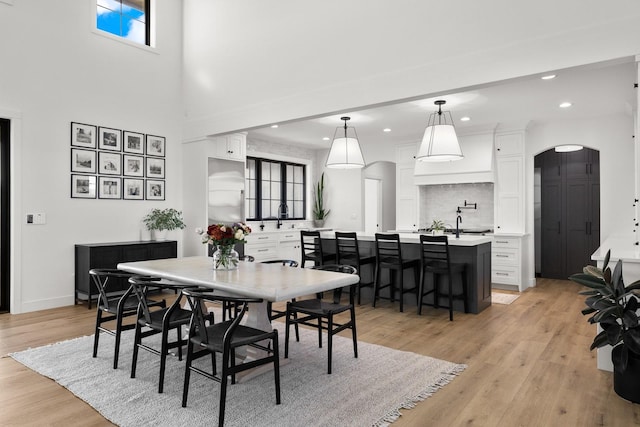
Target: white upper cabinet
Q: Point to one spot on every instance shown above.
(230, 147)
(509, 186)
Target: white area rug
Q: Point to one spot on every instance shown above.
(369, 390)
(502, 298)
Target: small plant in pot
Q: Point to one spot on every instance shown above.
(162, 220)
(319, 211)
(437, 227)
(614, 307)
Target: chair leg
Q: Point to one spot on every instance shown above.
(276, 366)
(179, 331)
(163, 358)
(116, 351)
(136, 343)
(421, 291)
(96, 336)
(223, 388)
(416, 280)
(329, 340)
(376, 284)
(401, 279)
(354, 334)
(450, 297)
(187, 374)
(286, 333)
(436, 287)
(319, 332)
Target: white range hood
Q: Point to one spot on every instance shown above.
(476, 166)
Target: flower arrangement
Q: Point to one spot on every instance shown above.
(224, 235)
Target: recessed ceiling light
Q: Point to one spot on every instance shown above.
(274, 126)
(565, 105)
(548, 77)
(465, 119)
(386, 130)
(567, 148)
(326, 138)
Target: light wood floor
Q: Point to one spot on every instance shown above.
(529, 364)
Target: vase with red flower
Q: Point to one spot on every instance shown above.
(224, 237)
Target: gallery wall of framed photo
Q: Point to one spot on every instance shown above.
(108, 163)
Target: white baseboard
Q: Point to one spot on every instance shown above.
(43, 304)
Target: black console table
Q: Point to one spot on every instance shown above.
(108, 255)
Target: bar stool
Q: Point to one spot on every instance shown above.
(311, 247)
(348, 252)
(389, 256)
(435, 259)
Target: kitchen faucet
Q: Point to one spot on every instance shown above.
(458, 222)
(283, 211)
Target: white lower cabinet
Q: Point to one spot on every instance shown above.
(506, 261)
(266, 246)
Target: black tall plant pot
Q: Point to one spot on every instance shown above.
(626, 383)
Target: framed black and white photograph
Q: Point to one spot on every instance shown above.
(109, 139)
(109, 187)
(155, 168)
(155, 145)
(133, 142)
(83, 135)
(155, 189)
(83, 161)
(109, 163)
(83, 186)
(133, 165)
(133, 189)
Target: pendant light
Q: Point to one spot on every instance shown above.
(345, 152)
(440, 142)
(567, 148)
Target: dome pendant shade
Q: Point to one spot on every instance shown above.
(440, 142)
(345, 152)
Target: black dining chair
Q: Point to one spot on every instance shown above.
(348, 252)
(436, 261)
(155, 322)
(389, 256)
(114, 308)
(207, 338)
(311, 247)
(318, 313)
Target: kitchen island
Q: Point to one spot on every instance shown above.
(473, 250)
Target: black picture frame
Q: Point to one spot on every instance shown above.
(133, 142)
(155, 189)
(155, 168)
(109, 163)
(83, 161)
(109, 187)
(155, 145)
(83, 186)
(109, 139)
(132, 189)
(83, 135)
(133, 165)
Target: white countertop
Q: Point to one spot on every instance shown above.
(463, 240)
(622, 247)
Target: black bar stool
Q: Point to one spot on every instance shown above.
(311, 246)
(348, 252)
(389, 256)
(435, 259)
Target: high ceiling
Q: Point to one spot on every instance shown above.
(594, 90)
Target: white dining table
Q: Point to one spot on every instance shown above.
(271, 282)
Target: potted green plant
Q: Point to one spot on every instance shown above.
(162, 220)
(614, 307)
(437, 227)
(319, 211)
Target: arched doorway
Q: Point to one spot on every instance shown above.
(567, 211)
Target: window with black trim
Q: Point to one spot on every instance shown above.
(274, 189)
(128, 19)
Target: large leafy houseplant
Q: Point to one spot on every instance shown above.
(612, 305)
(319, 211)
(164, 219)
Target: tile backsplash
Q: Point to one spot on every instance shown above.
(440, 202)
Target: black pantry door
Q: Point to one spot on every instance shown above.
(4, 214)
(570, 210)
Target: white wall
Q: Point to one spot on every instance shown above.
(55, 70)
(250, 63)
(612, 136)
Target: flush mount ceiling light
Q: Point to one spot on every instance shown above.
(565, 105)
(440, 142)
(345, 152)
(548, 77)
(566, 148)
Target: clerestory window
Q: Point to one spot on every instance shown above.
(128, 19)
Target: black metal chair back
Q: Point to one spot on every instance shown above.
(311, 247)
(435, 252)
(340, 268)
(388, 249)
